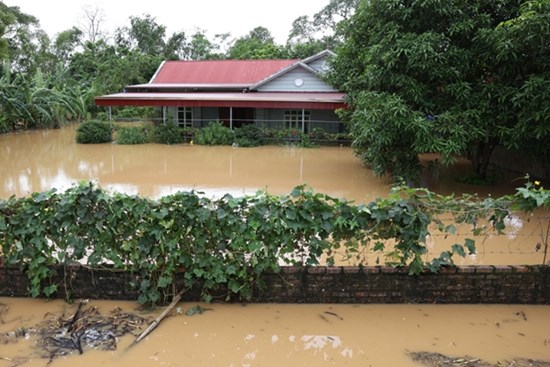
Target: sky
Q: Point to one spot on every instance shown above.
(213, 16)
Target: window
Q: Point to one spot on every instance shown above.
(185, 116)
(293, 119)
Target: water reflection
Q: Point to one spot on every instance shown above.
(38, 161)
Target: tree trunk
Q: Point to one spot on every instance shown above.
(481, 157)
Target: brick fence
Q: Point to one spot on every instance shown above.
(379, 284)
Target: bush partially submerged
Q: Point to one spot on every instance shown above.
(215, 134)
(94, 132)
(169, 134)
(249, 136)
(133, 135)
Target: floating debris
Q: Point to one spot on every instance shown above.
(522, 315)
(197, 310)
(86, 329)
(335, 315)
(429, 359)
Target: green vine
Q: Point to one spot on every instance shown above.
(228, 243)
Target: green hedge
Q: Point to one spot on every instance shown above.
(129, 135)
(230, 242)
(169, 134)
(94, 132)
(249, 136)
(215, 134)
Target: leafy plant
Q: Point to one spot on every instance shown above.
(249, 136)
(94, 132)
(215, 134)
(169, 134)
(320, 134)
(133, 135)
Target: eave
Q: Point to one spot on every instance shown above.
(323, 101)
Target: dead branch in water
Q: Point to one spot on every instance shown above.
(160, 317)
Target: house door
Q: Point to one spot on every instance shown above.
(241, 116)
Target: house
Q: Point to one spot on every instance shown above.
(268, 93)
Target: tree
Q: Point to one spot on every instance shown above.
(257, 44)
(449, 77)
(324, 30)
(66, 44)
(201, 48)
(144, 34)
(91, 23)
(521, 75)
(176, 46)
(11, 20)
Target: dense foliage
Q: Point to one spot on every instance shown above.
(169, 134)
(131, 135)
(453, 77)
(94, 132)
(249, 136)
(215, 133)
(228, 243)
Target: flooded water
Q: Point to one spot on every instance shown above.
(41, 160)
(271, 334)
(300, 335)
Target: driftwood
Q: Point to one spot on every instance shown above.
(160, 317)
(429, 359)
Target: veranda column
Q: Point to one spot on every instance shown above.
(303, 121)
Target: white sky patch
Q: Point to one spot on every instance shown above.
(215, 16)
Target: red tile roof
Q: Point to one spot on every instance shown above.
(218, 71)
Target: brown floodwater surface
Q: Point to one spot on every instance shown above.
(300, 335)
(41, 160)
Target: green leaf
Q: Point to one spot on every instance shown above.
(234, 286)
(458, 249)
(50, 290)
(379, 246)
(231, 269)
(164, 282)
(450, 229)
(470, 245)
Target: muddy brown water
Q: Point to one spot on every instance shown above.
(302, 335)
(272, 334)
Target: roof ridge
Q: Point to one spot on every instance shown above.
(235, 60)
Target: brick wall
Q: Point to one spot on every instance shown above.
(462, 284)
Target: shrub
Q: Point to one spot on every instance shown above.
(249, 136)
(169, 134)
(130, 112)
(320, 134)
(133, 135)
(94, 132)
(4, 126)
(215, 134)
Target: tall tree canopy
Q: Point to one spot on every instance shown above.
(257, 44)
(454, 77)
(324, 30)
